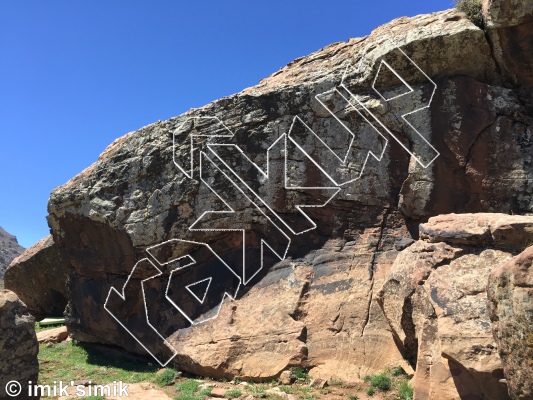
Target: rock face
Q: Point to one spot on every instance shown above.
(510, 29)
(39, 278)
(18, 346)
(129, 226)
(510, 291)
(9, 249)
(436, 302)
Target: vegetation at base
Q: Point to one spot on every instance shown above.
(166, 378)
(336, 382)
(405, 391)
(1, 284)
(287, 389)
(188, 388)
(300, 374)
(473, 9)
(68, 361)
(233, 394)
(395, 378)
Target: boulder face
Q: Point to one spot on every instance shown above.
(39, 277)
(18, 347)
(327, 131)
(510, 30)
(435, 301)
(510, 292)
(9, 249)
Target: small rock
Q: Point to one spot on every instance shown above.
(218, 392)
(318, 383)
(161, 371)
(244, 383)
(53, 335)
(249, 397)
(286, 377)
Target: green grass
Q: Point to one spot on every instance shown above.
(166, 378)
(287, 389)
(188, 388)
(256, 390)
(371, 391)
(69, 361)
(405, 391)
(233, 394)
(300, 374)
(381, 381)
(353, 397)
(1, 284)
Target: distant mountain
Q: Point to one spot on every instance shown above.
(9, 249)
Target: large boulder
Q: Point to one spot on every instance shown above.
(129, 226)
(39, 278)
(435, 301)
(510, 291)
(18, 348)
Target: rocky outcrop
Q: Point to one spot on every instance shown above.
(129, 225)
(9, 249)
(435, 300)
(509, 26)
(39, 278)
(510, 292)
(18, 347)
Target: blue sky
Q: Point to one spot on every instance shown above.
(75, 75)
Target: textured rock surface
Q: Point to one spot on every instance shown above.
(318, 307)
(18, 345)
(9, 249)
(505, 13)
(510, 291)
(39, 278)
(436, 303)
(55, 335)
(510, 31)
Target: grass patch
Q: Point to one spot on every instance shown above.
(353, 397)
(405, 391)
(2, 284)
(336, 382)
(187, 390)
(257, 390)
(68, 361)
(300, 374)
(371, 391)
(381, 381)
(473, 9)
(166, 378)
(233, 394)
(287, 389)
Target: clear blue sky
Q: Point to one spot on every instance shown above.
(75, 75)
